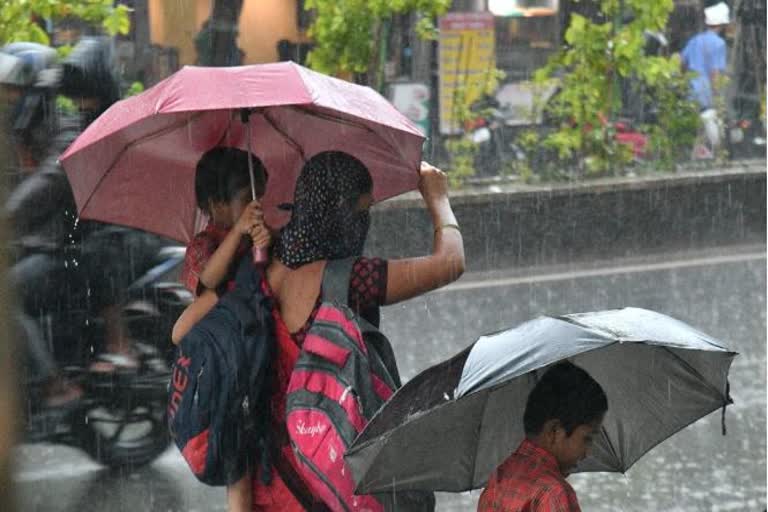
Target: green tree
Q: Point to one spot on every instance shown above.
(595, 59)
(18, 18)
(350, 35)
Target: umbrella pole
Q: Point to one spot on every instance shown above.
(259, 254)
(245, 118)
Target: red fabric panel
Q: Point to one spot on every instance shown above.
(195, 450)
(323, 348)
(381, 389)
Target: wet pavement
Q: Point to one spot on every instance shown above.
(722, 293)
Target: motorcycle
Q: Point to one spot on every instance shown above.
(120, 419)
(69, 275)
(492, 135)
(504, 121)
(746, 138)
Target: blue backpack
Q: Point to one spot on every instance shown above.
(218, 397)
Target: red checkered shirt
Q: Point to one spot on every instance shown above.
(528, 481)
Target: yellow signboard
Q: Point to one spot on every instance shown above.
(467, 60)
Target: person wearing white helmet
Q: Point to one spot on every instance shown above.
(705, 54)
(28, 80)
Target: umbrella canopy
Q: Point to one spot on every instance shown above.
(135, 164)
(453, 424)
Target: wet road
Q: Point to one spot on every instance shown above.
(721, 293)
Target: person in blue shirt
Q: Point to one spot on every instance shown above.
(705, 54)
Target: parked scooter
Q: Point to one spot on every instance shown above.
(489, 131)
(746, 138)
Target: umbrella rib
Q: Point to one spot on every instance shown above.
(610, 446)
(708, 411)
(347, 122)
(696, 373)
(327, 117)
(285, 135)
(131, 144)
(682, 427)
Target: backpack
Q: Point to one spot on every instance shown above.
(345, 372)
(218, 413)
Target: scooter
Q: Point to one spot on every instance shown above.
(489, 131)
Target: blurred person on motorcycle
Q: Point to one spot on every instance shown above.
(705, 54)
(65, 263)
(27, 89)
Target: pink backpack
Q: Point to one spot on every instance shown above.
(344, 374)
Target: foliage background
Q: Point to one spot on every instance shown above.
(20, 19)
(596, 58)
(350, 36)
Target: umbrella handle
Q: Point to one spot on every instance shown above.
(260, 254)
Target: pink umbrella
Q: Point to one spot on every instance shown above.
(135, 164)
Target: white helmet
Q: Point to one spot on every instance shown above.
(12, 70)
(718, 14)
(32, 68)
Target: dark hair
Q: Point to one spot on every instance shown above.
(331, 166)
(222, 172)
(566, 393)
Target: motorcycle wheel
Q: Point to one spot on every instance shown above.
(127, 435)
(125, 426)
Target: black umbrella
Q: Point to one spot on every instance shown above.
(453, 424)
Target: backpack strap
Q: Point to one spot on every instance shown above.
(290, 478)
(335, 285)
(248, 275)
(335, 288)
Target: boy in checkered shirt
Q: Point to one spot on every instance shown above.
(563, 414)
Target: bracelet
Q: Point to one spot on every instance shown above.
(451, 226)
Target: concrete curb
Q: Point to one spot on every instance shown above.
(492, 190)
(511, 225)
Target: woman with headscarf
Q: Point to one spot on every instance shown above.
(330, 219)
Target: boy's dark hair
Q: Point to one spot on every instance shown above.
(566, 393)
(222, 172)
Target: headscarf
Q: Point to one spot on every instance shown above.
(325, 223)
